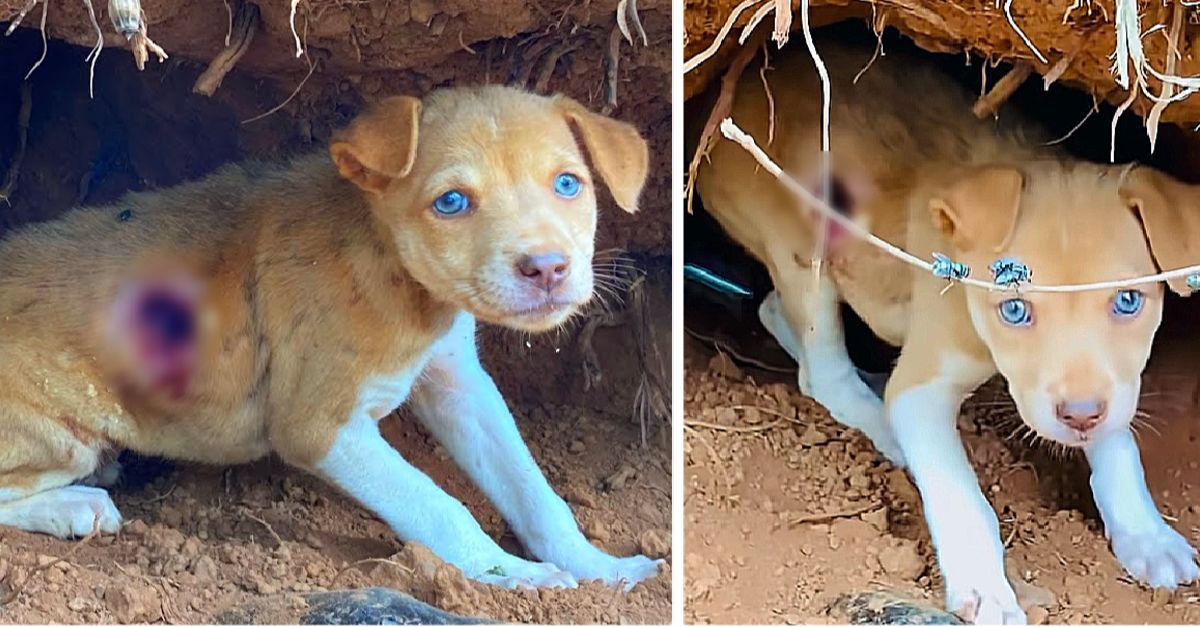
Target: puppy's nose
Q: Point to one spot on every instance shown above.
(1082, 415)
(546, 270)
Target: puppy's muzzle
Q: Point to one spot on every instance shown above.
(545, 271)
(1082, 415)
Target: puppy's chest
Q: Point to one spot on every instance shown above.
(379, 393)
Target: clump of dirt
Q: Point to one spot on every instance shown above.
(200, 541)
(788, 511)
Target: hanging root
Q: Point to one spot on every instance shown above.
(1020, 33)
(12, 26)
(295, 35)
(14, 168)
(721, 110)
(1168, 89)
(238, 42)
(652, 399)
(612, 62)
(627, 12)
(45, 41)
(989, 103)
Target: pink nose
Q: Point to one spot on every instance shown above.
(546, 270)
(1082, 415)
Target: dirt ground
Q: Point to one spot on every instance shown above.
(787, 511)
(201, 541)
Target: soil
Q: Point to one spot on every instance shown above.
(787, 511)
(201, 541)
(1086, 35)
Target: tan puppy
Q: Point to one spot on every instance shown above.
(288, 309)
(910, 160)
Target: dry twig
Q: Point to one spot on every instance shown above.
(989, 103)
(235, 46)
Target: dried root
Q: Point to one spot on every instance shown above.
(989, 103)
(14, 168)
(236, 45)
(627, 11)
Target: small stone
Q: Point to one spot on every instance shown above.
(577, 447)
(580, 495)
(655, 543)
(722, 365)
(596, 530)
(902, 559)
(1037, 615)
(77, 604)
(877, 518)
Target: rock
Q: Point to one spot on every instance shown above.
(902, 559)
(722, 365)
(1037, 615)
(580, 495)
(876, 518)
(887, 608)
(132, 604)
(368, 606)
(597, 530)
(655, 543)
(136, 528)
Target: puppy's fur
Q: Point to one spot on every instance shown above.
(911, 161)
(288, 309)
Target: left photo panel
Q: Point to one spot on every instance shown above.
(335, 312)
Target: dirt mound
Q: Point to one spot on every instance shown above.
(788, 512)
(200, 541)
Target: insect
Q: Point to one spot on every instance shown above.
(1010, 272)
(946, 268)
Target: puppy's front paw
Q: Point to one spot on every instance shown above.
(995, 606)
(519, 573)
(70, 512)
(627, 572)
(1161, 558)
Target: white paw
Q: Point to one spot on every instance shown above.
(519, 573)
(71, 512)
(770, 314)
(1161, 558)
(626, 572)
(997, 606)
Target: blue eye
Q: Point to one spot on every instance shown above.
(1128, 303)
(451, 203)
(566, 185)
(1016, 312)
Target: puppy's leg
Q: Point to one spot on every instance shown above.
(39, 460)
(806, 316)
(923, 403)
(460, 404)
(363, 464)
(1143, 542)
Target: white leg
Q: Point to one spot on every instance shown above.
(459, 403)
(965, 533)
(363, 464)
(832, 379)
(67, 512)
(1143, 542)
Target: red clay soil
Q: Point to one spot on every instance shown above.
(787, 511)
(979, 27)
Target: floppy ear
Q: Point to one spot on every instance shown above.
(617, 150)
(1170, 215)
(380, 144)
(980, 209)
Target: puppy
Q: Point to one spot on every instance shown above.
(288, 309)
(910, 160)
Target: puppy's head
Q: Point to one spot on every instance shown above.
(489, 195)
(1073, 361)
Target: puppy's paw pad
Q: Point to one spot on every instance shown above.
(525, 574)
(987, 608)
(1161, 558)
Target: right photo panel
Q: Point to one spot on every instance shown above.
(940, 363)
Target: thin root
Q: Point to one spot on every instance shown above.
(247, 24)
(989, 103)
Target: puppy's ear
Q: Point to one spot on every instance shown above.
(1170, 215)
(380, 145)
(617, 150)
(979, 210)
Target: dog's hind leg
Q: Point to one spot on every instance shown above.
(803, 316)
(1143, 542)
(40, 459)
(458, 402)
